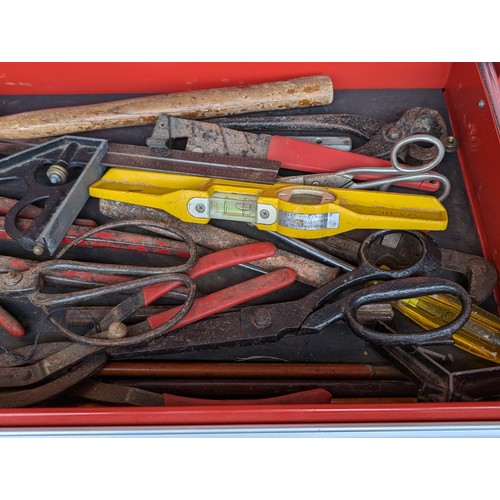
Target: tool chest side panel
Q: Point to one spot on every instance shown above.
(87, 78)
(472, 119)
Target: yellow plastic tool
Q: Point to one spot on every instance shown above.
(290, 209)
(480, 336)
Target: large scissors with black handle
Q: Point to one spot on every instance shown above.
(339, 299)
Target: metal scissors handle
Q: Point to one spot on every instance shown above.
(397, 173)
(373, 253)
(29, 284)
(346, 309)
(324, 306)
(403, 284)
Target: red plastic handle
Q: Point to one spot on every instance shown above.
(313, 396)
(10, 324)
(428, 185)
(228, 297)
(214, 262)
(308, 157)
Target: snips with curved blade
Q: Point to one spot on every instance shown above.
(380, 136)
(397, 174)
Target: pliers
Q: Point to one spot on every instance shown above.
(63, 365)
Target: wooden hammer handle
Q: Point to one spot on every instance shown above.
(302, 92)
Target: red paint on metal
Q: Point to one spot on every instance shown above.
(252, 415)
(18, 78)
(478, 154)
(473, 124)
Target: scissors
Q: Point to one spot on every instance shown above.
(396, 174)
(324, 306)
(34, 374)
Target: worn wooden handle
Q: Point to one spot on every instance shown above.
(302, 92)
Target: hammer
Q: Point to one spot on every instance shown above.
(301, 92)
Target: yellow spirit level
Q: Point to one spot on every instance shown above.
(293, 210)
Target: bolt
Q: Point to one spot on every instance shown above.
(262, 318)
(57, 174)
(38, 249)
(451, 144)
(393, 133)
(200, 208)
(264, 214)
(12, 278)
(481, 103)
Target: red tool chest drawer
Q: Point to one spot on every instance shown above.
(470, 93)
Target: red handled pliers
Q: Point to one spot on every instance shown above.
(210, 304)
(65, 365)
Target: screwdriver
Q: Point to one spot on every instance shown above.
(480, 335)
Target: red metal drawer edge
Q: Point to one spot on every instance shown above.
(238, 415)
(25, 78)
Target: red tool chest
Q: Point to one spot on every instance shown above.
(471, 92)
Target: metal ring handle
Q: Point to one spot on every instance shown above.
(139, 339)
(428, 261)
(404, 289)
(157, 226)
(384, 184)
(410, 140)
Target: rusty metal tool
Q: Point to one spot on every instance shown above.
(206, 305)
(58, 173)
(308, 272)
(29, 396)
(380, 136)
(319, 309)
(91, 315)
(479, 335)
(481, 275)
(288, 151)
(252, 370)
(168, 160)
(28, 284)
(438, 383)
(315, 90)
(36, 380)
